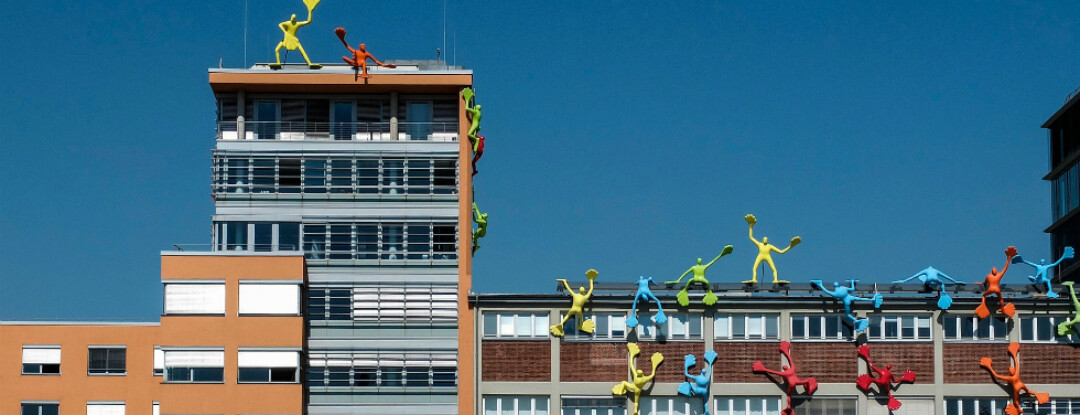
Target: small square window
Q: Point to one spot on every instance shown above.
(106, 361)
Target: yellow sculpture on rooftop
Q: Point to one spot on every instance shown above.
(290, 41)
(639, 379)
(765, 250)
(578, 306)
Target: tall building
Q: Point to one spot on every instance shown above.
(370, 180)
(1064, 176)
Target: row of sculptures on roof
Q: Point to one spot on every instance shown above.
(290, 41)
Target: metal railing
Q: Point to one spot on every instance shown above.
(337, 131)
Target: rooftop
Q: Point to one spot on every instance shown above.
(410, 76)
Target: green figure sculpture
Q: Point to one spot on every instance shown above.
(473, 112)
(481, 227)
(765, 250)
(578, 306)
(1064, 328)
(699, 278)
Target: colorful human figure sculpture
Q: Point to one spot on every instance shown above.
(765, 250)
(698, 385)
(472, 111)
(645, 293)
(932, 278)
(479, 152)
(1065, 327)
(1041, 269)
(481, 227)
(791, 380)
(639, 379)
(360, 56)
(699, 278)
(993, 286)
(1013, 379)
(844, 293)
(884, 378)
(578, 306)
(290, 41)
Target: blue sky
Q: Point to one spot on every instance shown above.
(631, 137)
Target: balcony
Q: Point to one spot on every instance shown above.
(338, 131)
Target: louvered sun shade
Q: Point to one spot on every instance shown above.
(262, 298)
(44, 355)
(193, 358)
(181, 298)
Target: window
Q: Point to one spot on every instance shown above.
(268, 366)
(104, 360)
(974, 406)
(330, 304)
(900, 327)
(41, 360)
(966, 328)
(420, 303)
(264, 237)
(820, 406)
(159, 361)
(1058, 406)
(191, 366)
(750, 405)
(288, 236)
(430, 370)
(40, 409)
(588, 405)
(194, 298)
(515, 405)
(679, 326)
(105, 408)
(236, 236)
(1044, 329)
(245, 177)
(609, 326)
(743, 326)
(508, 325)
(411, 241)
(819, 327)
(670, 406)
(262, 299)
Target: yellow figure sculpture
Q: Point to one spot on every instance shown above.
(578, 306)
(765, 250)
(639, 380)
(290, 41)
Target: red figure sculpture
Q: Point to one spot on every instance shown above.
(884, 379)
(791, 381)
(993, 286)
(1013, 379)
(478, 153)
(360, 56)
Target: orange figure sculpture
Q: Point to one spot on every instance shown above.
(791, 380)
(993, 286)
(360, 56)
(1013, 379)
(884, 379)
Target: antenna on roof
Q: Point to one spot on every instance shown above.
(219, 62)
(245, 32)
(443, 28)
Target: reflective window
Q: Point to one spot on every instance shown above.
(968, 328)
(819, 327)
(679, 326)
(1044, 329)
(750, 405)
(746, 326)
(516, 325)
(899, 327)
(40, 409)
(593, 405)
(515, 405)
(383, 370)
(236, 175)
(107, 360)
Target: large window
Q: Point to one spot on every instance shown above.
(746, 326)
(679, 326)
(383, 370)
(1044, 329)
(819, 327)
(257, 236)
(515, 405)
(194, 298)
(1058, 406)
(1066, 192)
(420, 303)
(41, 360)
(900, 327)
(592, 405)
(105, 408)
(330, 303)
(268, 366)
(510, 325)
(974, 406)
(195, 366)
(51, 408)
(968, 328)
(408, 241)
(269, 299)
(331, 176)
(608, 326)
(106, 360)
(748, 405)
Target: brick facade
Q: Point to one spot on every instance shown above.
(592, 361)
(832, 362)
(916, 357)
(516, 361)
(735, 358)
(674, 353)
(961, 361)
(1046, 363)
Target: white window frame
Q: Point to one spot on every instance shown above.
(268, 360)
(614, 406)
(537, 322)
(269, 298)
(679, 326)
(996, 405)
(215, 356)
(612, 320)
(729, 405)
(949, 319)
(105, 408)
(669, 405)
(1046, 324)
(846, 333)
(210, 300)
(724, 322)
(41, 355)
(919, 321)
(516, 405)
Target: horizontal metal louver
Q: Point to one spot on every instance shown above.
(184, 358)
(194, 298)
(41, 355)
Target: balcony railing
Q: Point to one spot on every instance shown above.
(338, 131)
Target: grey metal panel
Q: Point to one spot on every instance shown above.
(315, 345)
(348, 275)
(383, 409)
(416, 147)
(294, 211)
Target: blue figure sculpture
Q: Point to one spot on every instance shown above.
(698, 385)
(643, 291)
(845, 294)
(932, 278)
(1040, 277)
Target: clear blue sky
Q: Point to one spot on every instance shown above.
(628, 136)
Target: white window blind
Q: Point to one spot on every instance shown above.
(41, 355)
(104, 409)
(269, 299)
(159, 359)
(184, 358)
(194, 298)
(157, 409)
(269, 359)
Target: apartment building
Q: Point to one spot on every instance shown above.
(1064, 176)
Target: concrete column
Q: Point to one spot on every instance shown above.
(708, 332)
(939, 363)
(393, 115)
(555, 400)
(241, 104)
